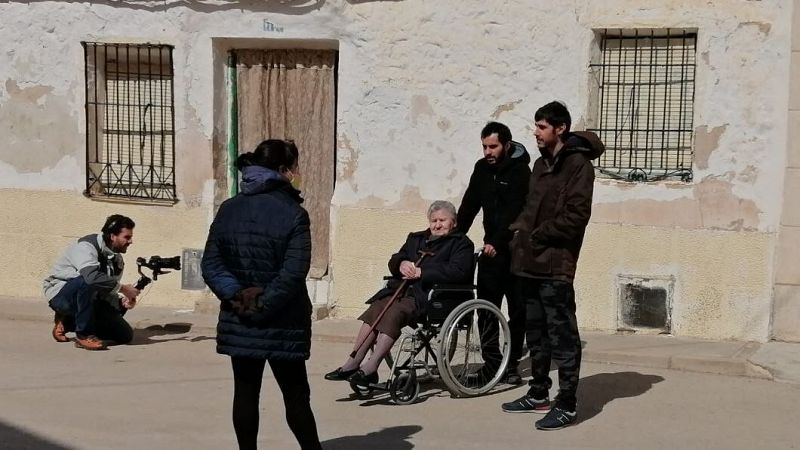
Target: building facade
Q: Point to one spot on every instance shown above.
(138, 107)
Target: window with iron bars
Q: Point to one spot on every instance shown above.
(130, 122)
(644, 103)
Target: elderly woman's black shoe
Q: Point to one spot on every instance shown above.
(340, 375)
(362, 379)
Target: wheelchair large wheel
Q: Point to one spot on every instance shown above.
(461, 362)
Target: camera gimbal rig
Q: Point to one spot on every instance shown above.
(156, 264)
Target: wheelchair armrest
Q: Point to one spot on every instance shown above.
(453, 287)
(388, 277)
(445, 287)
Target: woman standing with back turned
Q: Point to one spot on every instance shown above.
(256, 259)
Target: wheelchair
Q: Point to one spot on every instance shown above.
(447, 343)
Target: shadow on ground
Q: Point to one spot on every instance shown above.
(596, 391)
(154, 334)
(394, 438)
(15, 438)
(429, 387)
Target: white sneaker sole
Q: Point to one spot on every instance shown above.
(529, 411)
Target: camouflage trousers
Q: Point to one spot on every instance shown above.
(552, 336)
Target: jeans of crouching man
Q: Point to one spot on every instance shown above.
(80, 310)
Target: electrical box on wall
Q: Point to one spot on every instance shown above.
(645, 303)
(191, 275)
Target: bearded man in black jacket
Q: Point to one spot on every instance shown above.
(498, 186)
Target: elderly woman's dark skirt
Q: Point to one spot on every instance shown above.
(403, 312)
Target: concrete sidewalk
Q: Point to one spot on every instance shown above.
(169, 389)
(772, 360)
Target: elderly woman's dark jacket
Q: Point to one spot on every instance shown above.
(452, 262)
(261, 238)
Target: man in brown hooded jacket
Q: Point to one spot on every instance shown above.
(548, 235)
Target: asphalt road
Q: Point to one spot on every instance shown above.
(170, 390)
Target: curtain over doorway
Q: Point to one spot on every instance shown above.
(291, 94)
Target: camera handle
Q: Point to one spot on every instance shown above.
(143, 281)
(155, 266)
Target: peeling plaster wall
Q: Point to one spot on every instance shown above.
(718, 294)
(417, 80)
(714, 235)
(431, 77)
(43, 101)
(33, 235)
(786, 306)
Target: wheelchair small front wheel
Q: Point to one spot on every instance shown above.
(474, 330)
(404, 389)
(361, 392)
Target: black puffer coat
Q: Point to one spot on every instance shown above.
(261, 238)
(451, 263)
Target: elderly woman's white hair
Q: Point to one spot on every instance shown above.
(442, 205)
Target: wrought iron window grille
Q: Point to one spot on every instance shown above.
(130, 121)
(645, 88)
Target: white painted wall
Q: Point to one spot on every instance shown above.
(417, 80)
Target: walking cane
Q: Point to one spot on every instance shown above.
(401, 288)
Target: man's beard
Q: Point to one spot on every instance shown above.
(494, 160)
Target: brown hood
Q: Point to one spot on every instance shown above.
(585, 141)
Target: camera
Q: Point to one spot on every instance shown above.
(156, 264)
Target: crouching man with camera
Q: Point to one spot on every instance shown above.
(84, 288)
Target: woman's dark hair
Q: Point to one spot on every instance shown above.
(114, 225)
(275, 154)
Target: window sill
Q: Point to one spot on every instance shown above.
(132, 201)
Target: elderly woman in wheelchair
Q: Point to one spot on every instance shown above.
(432, 278)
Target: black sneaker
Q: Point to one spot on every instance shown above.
(556, 419)
(526, 404)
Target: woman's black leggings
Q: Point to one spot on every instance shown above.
(293, 382)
